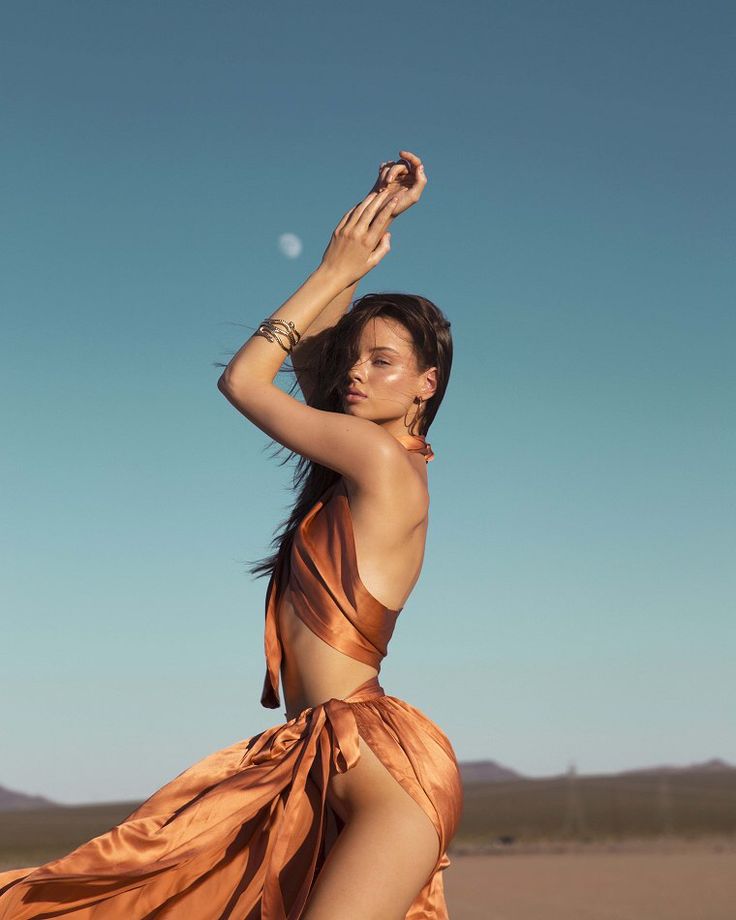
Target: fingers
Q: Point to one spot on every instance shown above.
(363, 212)
(381, 249)
(411, 158)
(392, 169)
(374, 220)
(407, 164)
(345, 218)
(398, 169)
(416, 163)
(407, 160)
(385, 171)
(353, 215)
(418, 173)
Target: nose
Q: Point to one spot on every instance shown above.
(355, 374)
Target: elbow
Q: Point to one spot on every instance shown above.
(241, 395)
(228, 387)
(230, 383)
(224, 385)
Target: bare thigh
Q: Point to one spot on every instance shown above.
(384, 855)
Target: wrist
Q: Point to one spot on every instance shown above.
(333, 280)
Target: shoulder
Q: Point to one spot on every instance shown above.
(380, 461)
(393, 481)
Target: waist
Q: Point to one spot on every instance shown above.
(368, 690)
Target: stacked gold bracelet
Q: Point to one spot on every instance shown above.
(271, 329)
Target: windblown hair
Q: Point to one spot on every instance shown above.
(326, 362)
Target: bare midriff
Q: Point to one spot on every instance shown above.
(311, 670)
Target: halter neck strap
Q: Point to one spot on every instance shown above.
(416, 442)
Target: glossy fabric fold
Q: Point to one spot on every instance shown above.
(243, 832)
(327, 593)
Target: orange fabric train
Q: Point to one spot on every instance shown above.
(244, 832)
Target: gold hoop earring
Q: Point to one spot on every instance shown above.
(418, 401)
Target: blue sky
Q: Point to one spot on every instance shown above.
(577, 600)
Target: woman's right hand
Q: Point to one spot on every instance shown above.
(360, 240)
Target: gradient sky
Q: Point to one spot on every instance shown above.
(577, 602)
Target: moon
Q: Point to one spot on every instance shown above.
(290, 245)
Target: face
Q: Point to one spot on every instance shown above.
(386, 373)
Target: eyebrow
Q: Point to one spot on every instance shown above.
(385, 348)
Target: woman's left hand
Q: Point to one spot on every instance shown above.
(360, 240)
(404, 178)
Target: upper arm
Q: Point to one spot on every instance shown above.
(357, 448)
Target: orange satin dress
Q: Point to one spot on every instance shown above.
(243, 833)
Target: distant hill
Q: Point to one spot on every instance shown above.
(715, 765)
(19, 801)
(489, 771)
(486, 771)
(662, 802)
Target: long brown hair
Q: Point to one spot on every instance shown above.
(327, 361)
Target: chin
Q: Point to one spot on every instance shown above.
(351, 410)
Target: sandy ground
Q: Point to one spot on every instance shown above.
(634, 882)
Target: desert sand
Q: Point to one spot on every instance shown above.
(646, 881)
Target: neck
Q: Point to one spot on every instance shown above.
(401, 433)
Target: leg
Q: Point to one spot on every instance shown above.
(384, 855)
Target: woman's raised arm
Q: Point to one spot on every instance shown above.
(332, 439)
(403, 179)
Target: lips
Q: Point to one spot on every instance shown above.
(354, 393)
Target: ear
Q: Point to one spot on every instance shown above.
(429, 383)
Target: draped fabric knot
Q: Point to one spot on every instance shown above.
(328, 742)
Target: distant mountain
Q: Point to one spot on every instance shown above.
(486, 771)
(19, 801)
(715, 765)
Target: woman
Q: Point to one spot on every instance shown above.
(347, 808)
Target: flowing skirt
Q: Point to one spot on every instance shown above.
(243, 833)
